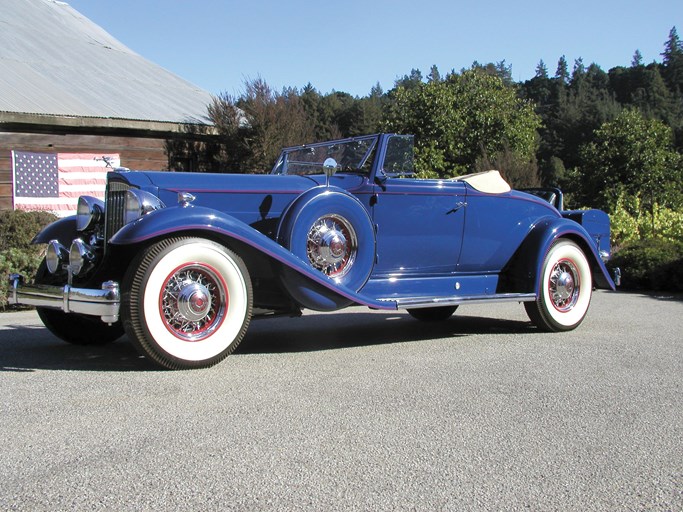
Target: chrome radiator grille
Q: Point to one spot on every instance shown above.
(115, 205)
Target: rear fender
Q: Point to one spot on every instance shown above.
(318, 291)
(523, 273)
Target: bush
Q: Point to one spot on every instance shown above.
(651, 263)
(631, 221)
(17, 229)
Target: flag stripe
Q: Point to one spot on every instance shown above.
(54, 182)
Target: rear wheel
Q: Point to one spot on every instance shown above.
(436, 314)
(566, 288)
(188, 302)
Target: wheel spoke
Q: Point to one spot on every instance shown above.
(193, 302)
(332, 245)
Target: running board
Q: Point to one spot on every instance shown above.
(435, 302)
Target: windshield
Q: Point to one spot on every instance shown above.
(348, 155)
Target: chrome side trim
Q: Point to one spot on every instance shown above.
(104, 303)
(431, 302)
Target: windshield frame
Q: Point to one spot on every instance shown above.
(361, 165)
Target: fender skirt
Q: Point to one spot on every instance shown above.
(313, 289)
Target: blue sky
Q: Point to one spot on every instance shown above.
(351, 45)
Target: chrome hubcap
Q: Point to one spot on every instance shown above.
(563, 285)
(193, 302)
(332, 245)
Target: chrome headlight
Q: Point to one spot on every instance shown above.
(89, 211)
(55, 256)
(81, 257)
(139, 203)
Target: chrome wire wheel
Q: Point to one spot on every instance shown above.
(193, 302)
(332, 245)
(564, 285)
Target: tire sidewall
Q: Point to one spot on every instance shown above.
(153, 278)
(559, 320)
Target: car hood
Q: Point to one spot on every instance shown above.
(256, 199)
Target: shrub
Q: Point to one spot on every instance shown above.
(651, 263)
(17, 229)
(630, 221)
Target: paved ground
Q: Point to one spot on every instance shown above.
(356, 410)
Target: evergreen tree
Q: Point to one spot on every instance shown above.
(673, 48)
(562, 73)
(637, 59)
(541, 70)
(434, 75)
(673, 63)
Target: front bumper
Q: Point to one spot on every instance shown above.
(104, 303)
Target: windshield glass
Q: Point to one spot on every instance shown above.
(349, 155)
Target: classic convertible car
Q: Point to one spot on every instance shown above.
(181, 262)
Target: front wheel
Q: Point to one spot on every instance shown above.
(187, 302)
(72, 327)
(79, 329)
(565, 289)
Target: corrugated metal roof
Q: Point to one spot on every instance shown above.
(55, 61)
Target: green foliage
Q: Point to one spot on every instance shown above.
(258, 124)
(17, 229)
(634, 156)
(631, 222)
(462, 119)
(651, 263)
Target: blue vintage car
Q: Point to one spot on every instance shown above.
(181, 262)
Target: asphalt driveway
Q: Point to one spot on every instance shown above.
(356, 410)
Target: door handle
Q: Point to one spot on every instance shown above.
(457, 206)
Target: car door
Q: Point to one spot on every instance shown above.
(419, 226)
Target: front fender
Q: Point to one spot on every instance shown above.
(523, 272)
(63, 229)
(326, 293)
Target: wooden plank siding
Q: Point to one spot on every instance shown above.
(135, 152)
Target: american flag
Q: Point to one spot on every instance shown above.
(54, 181)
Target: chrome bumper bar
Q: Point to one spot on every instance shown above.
(104, 303)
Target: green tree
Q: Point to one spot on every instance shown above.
(562, 73)
(463, 119)
(257, 124)
(631, 155)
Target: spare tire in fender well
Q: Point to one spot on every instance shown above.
(330, 230)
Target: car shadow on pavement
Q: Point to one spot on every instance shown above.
(28, 348)
(342, 330)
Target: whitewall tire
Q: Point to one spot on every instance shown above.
(565, 290)
(187, 302)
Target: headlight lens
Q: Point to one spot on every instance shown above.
(139, 203)
(81, 257)
(89, 212)
(56, 255)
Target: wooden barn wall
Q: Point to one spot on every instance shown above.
(136, 152)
